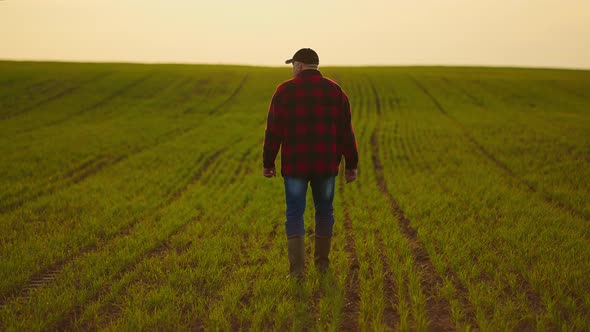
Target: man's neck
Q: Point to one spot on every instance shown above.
(309, 67)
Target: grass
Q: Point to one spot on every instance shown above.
(132, 199)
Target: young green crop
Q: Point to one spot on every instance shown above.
(132, 198)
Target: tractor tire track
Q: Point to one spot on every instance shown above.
(73, 176)
(219, 108)
(547, 198)
(56, 96)
(351, 308)
(178, 193)
(534, 299)
(462, 292)
(49, 274)
(40, 88)
(495, 94)
(88, 169)
(102, 102)
(439, 310)
(478, 102)
(113, 311)
(68, 320)
(76, 175)
(391, 317)
(375, 94)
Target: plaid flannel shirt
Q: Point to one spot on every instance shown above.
(310, 120)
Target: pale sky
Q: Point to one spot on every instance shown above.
(533, 33)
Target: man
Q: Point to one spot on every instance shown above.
(310, 120)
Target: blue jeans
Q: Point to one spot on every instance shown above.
(323, 197)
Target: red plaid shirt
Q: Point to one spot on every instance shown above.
(310, 118)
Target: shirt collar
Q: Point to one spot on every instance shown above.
(309, 72)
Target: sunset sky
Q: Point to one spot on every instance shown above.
(533, 33)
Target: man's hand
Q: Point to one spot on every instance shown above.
(269, 172)
(351, 174)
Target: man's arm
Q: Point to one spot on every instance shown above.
(350, 149)
(273, 136)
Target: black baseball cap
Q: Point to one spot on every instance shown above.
(305, 55)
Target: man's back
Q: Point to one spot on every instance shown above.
(310, 117)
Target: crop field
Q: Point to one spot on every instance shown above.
(132, 197)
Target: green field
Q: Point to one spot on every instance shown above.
(132, 197)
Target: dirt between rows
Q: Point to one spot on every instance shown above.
(491, 157)
(113, 311)
(351, 298)
(439, 310)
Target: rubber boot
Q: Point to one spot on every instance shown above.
(321, 252)
(296, 250)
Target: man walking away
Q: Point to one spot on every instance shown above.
(310, 121)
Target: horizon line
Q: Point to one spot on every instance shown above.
(285, 66)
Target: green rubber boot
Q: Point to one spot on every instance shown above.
(296, 250)
(321, 252)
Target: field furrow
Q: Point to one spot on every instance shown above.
(241, 259)
(352, 299)
(101, 103)
(220, 107)
(439, 312)
(50, 272)
(54, 97)
(153, 245)
(124, 278)
(91, 167)
(499, 163)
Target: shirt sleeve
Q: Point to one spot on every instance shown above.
(273, 134)
(350, 150)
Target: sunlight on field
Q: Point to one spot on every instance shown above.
(132, 198)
